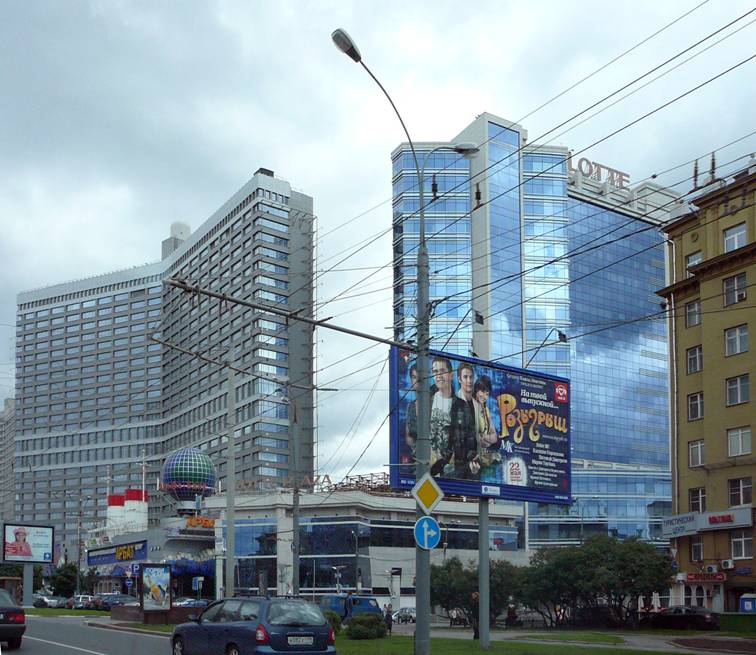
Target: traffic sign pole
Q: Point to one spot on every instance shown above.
(483, 575)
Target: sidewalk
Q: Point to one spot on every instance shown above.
(713, 645)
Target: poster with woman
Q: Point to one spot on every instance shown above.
(28, 543)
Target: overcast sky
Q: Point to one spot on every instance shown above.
(118, 118)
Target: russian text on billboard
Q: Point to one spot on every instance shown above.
(495, 430)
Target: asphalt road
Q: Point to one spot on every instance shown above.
(70, 636)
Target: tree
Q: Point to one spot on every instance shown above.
(63, 581)
(452, 584)
(549, 585)
(502, 586)
(625, 571)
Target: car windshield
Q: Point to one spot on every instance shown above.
(5, 598)
(295, 613)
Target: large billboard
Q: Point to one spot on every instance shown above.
(495, 430)
(28, 543)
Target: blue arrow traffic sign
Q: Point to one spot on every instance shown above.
(427, 533)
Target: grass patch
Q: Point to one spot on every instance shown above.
(403, 646)
(586, 637)
(60, 611)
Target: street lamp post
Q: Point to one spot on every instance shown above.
(344, 42)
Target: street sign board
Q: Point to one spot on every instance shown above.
(427, 533)
(129, 582)
(129, 574)
(135, 569)
(427, 493)
(197, 582)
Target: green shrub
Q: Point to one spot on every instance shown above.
(334, 619)
(366, 626)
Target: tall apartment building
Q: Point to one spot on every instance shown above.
(7, 446)
(523, 246)
(100, 404)
(711, 302)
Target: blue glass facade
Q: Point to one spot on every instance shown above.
(447, 221)
(530, 217)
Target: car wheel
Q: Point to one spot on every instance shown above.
(178, 646)
(232, 649)
(14, 644)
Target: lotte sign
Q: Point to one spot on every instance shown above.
(599, 172)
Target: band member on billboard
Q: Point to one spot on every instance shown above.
(440, 421)
(488, 440)
(410, 435)
(463, 432)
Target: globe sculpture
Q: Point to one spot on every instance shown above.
(188, 473)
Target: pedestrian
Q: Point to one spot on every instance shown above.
(389, 620)
(474, 611)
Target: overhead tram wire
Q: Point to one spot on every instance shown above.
(357, 420)
(589, 246)
(609, 265)
(661, 315)
(615, 59)
(562, 214)
(585, 247)
(562, 124)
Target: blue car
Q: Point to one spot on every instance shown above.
(263, 626)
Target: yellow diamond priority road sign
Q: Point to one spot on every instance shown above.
(427, 493)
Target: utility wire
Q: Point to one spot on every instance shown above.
(523, 146)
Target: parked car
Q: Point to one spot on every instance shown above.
(79, 602)
(50, 601)
(405, 615)
(347, 606)
(246, 625)
(12, 621)
(106, 602)
(188, 601)
(684, 617)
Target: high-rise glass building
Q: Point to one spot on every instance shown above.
(524, 247)
(99, 403)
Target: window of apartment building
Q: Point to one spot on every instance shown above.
(695, 406)
(692, 260)
(742, 544)
(696, 453)
(697, 499)
(734, 289)
(696, 548)
(734, 237)
(738, 390)
(739, 441)
(736, 340)
(692, 313)
(695, 359)
(740, 491)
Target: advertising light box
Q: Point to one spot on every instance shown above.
(28, 543)
(156, 587)
(495, 430)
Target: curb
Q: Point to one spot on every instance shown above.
(121, 628)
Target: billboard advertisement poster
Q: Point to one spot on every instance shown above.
(28, 543)
(495, 430)
(156, 587)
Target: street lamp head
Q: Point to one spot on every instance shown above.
(466, 149)
(344, 42)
